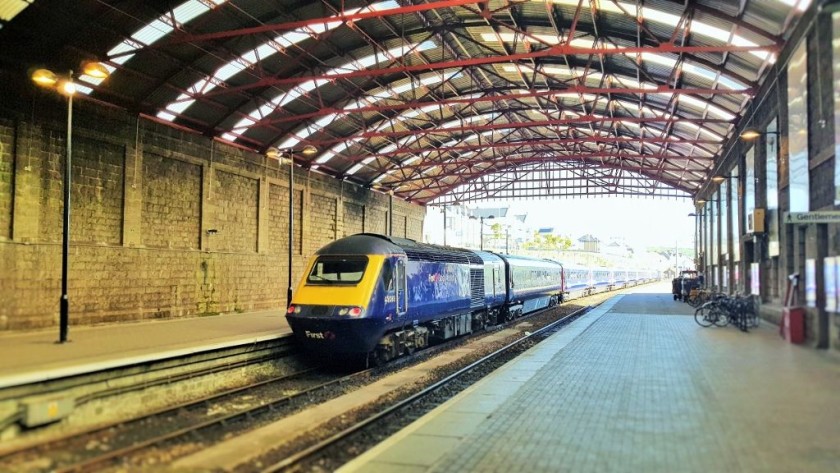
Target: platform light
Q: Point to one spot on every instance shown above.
(751, 133)
(95, 69)
(278, 154)
(65, 86)
(44, 77)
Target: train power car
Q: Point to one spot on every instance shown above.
(372, 295)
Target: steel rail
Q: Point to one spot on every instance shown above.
(148, 415)
(98, 461)
(308, 452)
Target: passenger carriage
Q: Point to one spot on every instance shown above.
(372, 294)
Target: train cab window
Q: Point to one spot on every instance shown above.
(388, 276)
(337, 270)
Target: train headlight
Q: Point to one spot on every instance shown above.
(293, 309)
(351, 311)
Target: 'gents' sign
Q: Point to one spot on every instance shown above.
(824, 216)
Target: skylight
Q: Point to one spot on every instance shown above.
(153, 32)
(382, 93)
(260, 53)
(11, 8)
(651, 14)
(305, 87)
(374, 97)
(628, 82)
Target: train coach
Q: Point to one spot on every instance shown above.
(376, 297)
(372, 295)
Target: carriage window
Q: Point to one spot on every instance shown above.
(337, 270)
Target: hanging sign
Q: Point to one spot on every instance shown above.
(822, 216)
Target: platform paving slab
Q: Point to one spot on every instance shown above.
(641, 388)
(30, 357)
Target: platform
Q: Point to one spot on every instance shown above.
(635, 385)
(30, 357)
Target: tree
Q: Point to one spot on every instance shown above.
(548, 242)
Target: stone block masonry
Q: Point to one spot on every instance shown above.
(143, 198)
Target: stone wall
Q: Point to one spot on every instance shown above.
(164, 223)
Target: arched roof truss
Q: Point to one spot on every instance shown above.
(440, 100)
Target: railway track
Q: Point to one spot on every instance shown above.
(332, 452)
(159, 437)
(211, 416)
(208, 419)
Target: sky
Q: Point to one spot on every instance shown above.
(640, 222)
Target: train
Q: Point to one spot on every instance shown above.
(378, 297)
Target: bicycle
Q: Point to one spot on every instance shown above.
(739, 310)
(711, 313)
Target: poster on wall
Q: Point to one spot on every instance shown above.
(836, 265)
(835, 22)
(797, 131)
(811, 282)
(772, 189)
(755, 282)
(736, 274)
(830, 272)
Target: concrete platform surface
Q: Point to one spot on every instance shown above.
(635, 385)
(34, 356)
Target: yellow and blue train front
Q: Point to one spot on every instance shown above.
(334, 310)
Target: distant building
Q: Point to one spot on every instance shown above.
(590, 243)
(618, 247)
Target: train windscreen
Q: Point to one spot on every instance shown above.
(337, 270)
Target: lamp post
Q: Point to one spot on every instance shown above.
(65, 86)
(274, 153)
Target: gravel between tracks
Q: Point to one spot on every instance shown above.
(335, 456)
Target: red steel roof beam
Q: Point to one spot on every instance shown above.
(560, 49)
(559, 141)
(480, 128)
(496, 98)
(664, 157)
(196, 38)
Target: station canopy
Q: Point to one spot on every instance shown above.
(436, 101)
